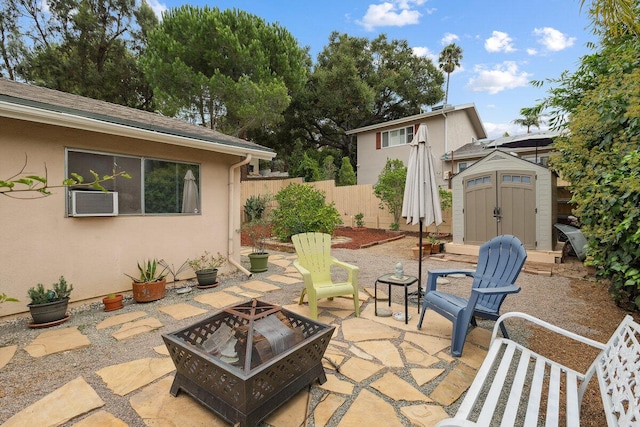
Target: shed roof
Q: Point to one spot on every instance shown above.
(28, 102)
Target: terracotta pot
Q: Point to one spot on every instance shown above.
(112, 304)
(147, 292)
(435, 248)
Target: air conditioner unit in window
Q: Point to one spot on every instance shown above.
(93, 203)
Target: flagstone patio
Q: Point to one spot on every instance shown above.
(379, 370)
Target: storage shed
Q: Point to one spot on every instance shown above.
(504, 194)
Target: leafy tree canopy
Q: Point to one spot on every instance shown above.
(358, 82)
(599, 155)
(86, 47)
(227, 70)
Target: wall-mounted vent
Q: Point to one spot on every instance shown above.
(93, 203)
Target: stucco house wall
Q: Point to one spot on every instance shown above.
(449, 128)
(39, 242)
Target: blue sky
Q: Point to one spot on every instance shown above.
(505, 44)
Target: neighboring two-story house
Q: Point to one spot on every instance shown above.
(450, 127)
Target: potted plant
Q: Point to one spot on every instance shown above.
(435, 245)
(49, 306)
(150, 285)
(206, 268)
(258, 231)
(112, 302)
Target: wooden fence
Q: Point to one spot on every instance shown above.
(350, 200)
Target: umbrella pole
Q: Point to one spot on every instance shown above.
(420, 262)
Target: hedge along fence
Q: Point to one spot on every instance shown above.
(350, 200)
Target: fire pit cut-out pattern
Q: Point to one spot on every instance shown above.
(247, 360)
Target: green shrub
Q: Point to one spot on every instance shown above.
(359, 217)
(255, 206)
(346, 176)
(60, 291)
(307, 169)
(390, 189)
(302, 208)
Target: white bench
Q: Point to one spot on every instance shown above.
(517, 378)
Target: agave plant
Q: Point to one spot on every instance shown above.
(148, 272)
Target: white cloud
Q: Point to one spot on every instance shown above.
(531, 51)
(553, 39)
(157, 7)
(395, 13)
(499, 42)
(424, 51)
(448, 39)
(501, 77)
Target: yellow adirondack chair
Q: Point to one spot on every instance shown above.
(314, 263)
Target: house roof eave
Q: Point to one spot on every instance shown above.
(470, 109)
(35, 113)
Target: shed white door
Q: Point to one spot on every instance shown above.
(500, 202)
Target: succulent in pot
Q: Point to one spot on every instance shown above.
(49, 306)
(112, 302)
(150, 284)
(206, 268)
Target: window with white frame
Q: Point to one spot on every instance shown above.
(155, 187)
(395, 137)
(463, 165)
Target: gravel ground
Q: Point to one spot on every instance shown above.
(25, 380)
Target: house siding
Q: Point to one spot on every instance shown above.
(458, 130)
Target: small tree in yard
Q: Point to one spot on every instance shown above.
(390, 189)
(346, 176)
(301, 209)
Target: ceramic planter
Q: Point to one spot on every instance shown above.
(147, 292)
(50, 312)
(112, 304)
(259, 262)
(208, 277)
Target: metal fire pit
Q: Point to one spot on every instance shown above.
(277, 353)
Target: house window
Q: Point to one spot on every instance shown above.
(393, 138)
(463, 165)
(155, 187)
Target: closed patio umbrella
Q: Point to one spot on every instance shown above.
(421, 202)
(190, 194)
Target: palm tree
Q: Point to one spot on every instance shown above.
(530, 118)
(449, 59)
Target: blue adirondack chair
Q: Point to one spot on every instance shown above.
(499, 263)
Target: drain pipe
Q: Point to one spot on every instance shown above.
(232, 213)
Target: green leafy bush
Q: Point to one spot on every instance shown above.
(346, 176)
(302, 208)
(255, 206)
(390, 189)
(600, 157)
